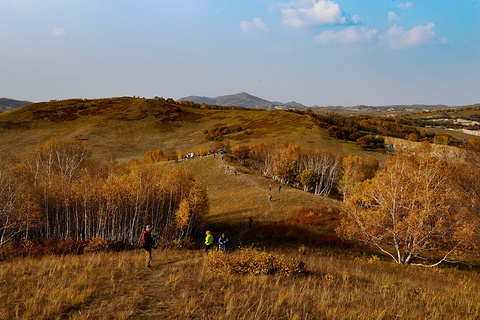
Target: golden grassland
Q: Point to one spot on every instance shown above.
(71, 286)
(125, 128)
(337, 285)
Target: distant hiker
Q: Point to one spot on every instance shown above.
(228, 168)
(250, 221)
(270, 197)
(214, 156)
(148, 243)
(235, 171)
(222, 243)
(270, 188)
(208, 241)
(279, 188)
(222, 156)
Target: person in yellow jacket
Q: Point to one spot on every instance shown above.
(208, 241)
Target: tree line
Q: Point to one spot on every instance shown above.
(314, 170)
(58, 190)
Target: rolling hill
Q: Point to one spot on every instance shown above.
(10, 104)
(128, 127)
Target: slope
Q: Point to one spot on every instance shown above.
(128, 127)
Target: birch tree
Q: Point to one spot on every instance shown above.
(408, 209)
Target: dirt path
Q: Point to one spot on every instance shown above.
(163, 282)
(251, 183)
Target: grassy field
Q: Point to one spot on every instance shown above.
(339, 283)
(125, 128)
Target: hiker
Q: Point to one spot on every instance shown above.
(228, 168)
(222, 243)
(279, 188)
(208, 241)
(148, 243)
(270, 197)
(250, 221)
(235, 171)
(270, 188)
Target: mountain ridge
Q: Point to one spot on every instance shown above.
(7, 104)
(244, 99)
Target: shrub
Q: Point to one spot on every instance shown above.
(96, 244)
(323, 216)
(7, 251)
(371, 142)
(255, 262)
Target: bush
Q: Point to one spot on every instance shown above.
(255, 262)
(96, 244)
(323, 216)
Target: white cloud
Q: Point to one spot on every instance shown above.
(356, 19)
(348, 35)
(405, 5)
(304, 13)
(392, 16)
(59, 32)
(399, 38)
(256, 25)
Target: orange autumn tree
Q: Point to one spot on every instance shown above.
(408, 209)
(192, 210)
(241, 153)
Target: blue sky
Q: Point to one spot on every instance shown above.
(343, 52)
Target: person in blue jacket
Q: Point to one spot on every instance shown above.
(222, 243)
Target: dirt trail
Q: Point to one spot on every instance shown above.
(246, 180)
(163, 282)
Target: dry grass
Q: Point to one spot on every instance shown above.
(80, 287)
(337, 285)
(335, 288)
(128, 127)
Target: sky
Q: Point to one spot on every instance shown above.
(315, 52)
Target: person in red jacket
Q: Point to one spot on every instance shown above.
(147, 244)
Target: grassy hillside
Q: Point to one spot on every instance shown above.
(234, 198)
(127, 127)
(339, 283)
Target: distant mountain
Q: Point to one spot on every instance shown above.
(10, 104)
(244, 99)
(200, 100)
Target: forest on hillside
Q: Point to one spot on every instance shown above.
(58, 191)
(409, 207)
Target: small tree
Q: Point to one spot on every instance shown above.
(409, 208)
(241, 153)
(308, 178)
(152, 156)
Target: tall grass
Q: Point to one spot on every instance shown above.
(62, 286)
(337, 285)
